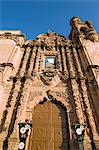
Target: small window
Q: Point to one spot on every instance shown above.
(49, 62)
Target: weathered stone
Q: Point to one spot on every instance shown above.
(71, 81)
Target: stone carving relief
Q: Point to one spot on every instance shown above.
(51, 40)
(40, 96)
(64, 76)
(49, 77)
(97, 75)
(34, 98)
(19, 39)
(3, 65)
(91, 32)
(85, 30)
(49, 43)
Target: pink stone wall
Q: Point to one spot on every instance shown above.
(92, 49)
(6, 48)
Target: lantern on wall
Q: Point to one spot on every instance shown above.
(24, 131)
(79, 132)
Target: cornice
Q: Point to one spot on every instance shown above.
(14, 37)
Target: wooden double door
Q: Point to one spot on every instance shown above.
(50, 128)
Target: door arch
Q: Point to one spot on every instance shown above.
(50, 127)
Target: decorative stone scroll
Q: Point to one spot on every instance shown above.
(3, 65)
(47, 77)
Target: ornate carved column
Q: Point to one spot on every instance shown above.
(77, 62)
(70, 65)
(37, 59)
(77, 100)
(32, 61)
(22, 70)
(8, 112)
(21, 113)
(59, 59)
(70, 116)
(11, 102)
(88, 106)
(42, 62)
(64, 59)
(91, 126)
(15, 91)
(75, 89)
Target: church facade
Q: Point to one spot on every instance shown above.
(49, 90)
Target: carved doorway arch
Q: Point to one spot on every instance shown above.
(50, 127)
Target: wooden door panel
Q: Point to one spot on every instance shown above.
(58, 119)
(50, 134)
(49, 127)
(42, 107)
(60, 134)
(38, 145)
(40, 118)
(57, 108)
(39, 133)
(49, 145)
(61, 145)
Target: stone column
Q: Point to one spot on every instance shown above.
(70, 115)
(12, 99)
(22, 70)
(21, 113)
(70, 65)
(59, 59)
(88, 106)
(37, 59)
(77, 62)
(8, 112)
(64, 59)
(75, 88)
(32, 61)
(97, 76)
(42, 62)
(77, 100)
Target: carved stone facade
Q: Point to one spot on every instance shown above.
(50, 68)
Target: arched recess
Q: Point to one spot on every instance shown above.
(38, 97)
(50, 127)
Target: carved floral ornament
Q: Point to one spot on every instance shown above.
(52, 40)
(55, 96)
(48, 77)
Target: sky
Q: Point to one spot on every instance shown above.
(34, 17)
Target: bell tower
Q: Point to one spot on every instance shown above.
(86, 41)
